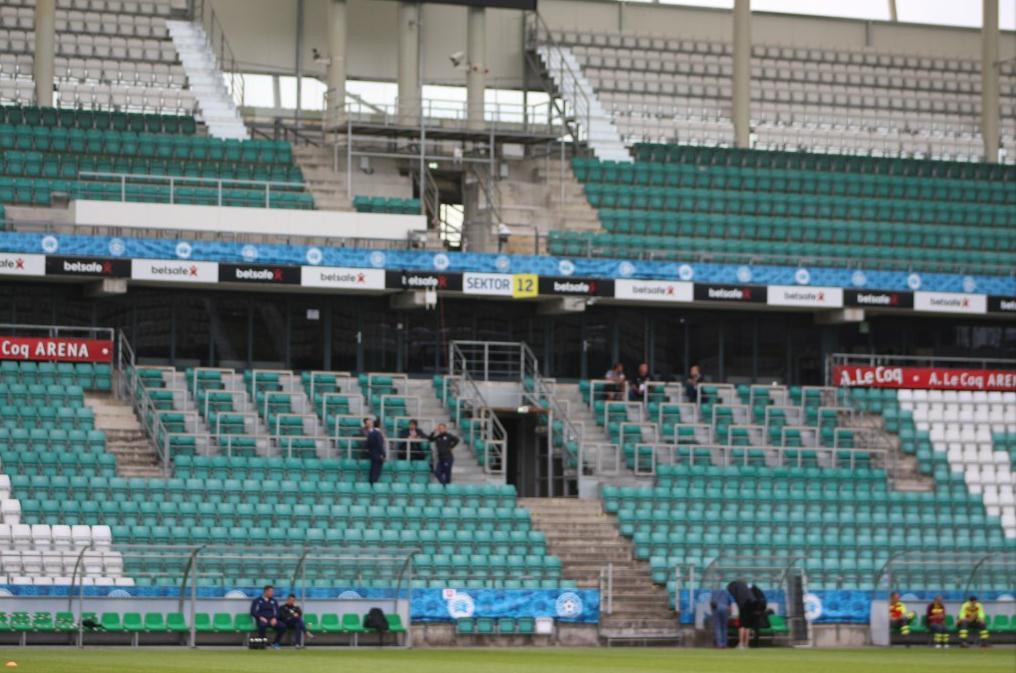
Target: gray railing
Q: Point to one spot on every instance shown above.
(577, 119)
(178, 183)
(281, 238)
(588, 248)
(543, 395)
(490, 431)
(226, 59)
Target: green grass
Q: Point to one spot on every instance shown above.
(529, 660)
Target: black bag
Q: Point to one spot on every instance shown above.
(376, 621)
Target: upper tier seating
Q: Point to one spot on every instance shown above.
(684, 202)
(108, 54)
(838, 101)
(43, 150)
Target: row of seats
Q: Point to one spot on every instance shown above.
(176, 622)
(818, 163)
(87, 45)
(99, 120)
(768, 180)
(382, 204)
(83, 374)
(59, 145)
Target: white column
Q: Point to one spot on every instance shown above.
(409, 62)
(476, 56)
(336, 78)
(742, 72)
(989, 81)
(45, 51)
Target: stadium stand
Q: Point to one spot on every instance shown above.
(857, 159)
(114, 156)
(47, 433)
(109, 55)
(732, 205)
(812, 494)
(961, 437)
(61, 476)
(824, 100)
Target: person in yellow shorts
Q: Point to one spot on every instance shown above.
(972, 617)
(899, 617)
(934, 617)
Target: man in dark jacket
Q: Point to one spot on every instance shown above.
(265, 612)
(444, 442)
(291, 617)
(745, 599)
(375, 449)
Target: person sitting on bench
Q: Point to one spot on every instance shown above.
(265, 612)
(291, 617)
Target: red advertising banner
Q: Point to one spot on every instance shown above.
(931, 378)
(56, 349)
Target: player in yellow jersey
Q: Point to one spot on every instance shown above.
(899, 617)
(972, 617)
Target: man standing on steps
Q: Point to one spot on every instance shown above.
(375, 449)
(444, 443)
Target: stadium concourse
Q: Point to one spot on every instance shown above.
(644, 336)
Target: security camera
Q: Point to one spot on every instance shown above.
(456, 58)
(318, 57)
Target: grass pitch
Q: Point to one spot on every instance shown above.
(528, 660)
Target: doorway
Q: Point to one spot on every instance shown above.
(530, 467)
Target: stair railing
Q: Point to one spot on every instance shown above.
(129, 389)
(538, 34)
(543, 396)
(490, 431)
(226, 59)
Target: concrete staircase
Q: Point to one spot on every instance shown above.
(587, 540)
(543, 194)
(566, 73)
(904, 475)
(327, 185)
(595, 438)
(204, 76)
(466, 469)
(125, 437)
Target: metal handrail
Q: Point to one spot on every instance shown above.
(177, 182)
(221, 50)
(492, 432)
(537, 34)
(144, 406)
(589, 250)
(530, 369)
(281, 238)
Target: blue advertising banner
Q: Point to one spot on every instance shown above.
(451, 262)
(580, 606)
